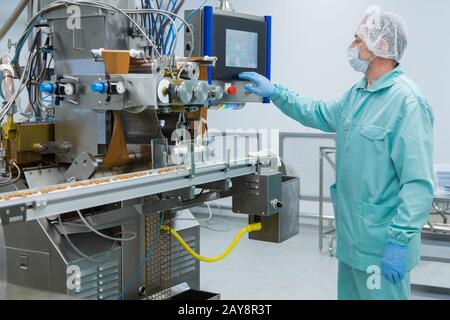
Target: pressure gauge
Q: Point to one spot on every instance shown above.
(120, 87)
(69, 89)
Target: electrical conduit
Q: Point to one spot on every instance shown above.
(250, 228)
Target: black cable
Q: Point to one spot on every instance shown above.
(33, 86)
(39, 80)
(32, 75)
(31, 99)
(196, 197)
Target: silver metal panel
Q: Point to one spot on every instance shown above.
(289, 214)
(38, 236)
(141, 91)
(110, 32)
(99, 280)
(79, 66)
(285, 225)
(262, 191)
(196, 23)
(25, 267)
(82, 168)
(12, 292)
(133, 253)
(241, 94)
(80, 128)
(141, 128)
(112, 218)
(38, 245)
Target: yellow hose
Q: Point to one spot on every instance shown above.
(248, 229)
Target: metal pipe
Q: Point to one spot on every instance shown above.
(225, 5)
(13, 18)
(134, 157)
(324, 155)
(8, 77)
(301, 215)
(321, 174)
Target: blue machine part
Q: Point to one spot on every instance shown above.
(48, 87)
(208, 34)
(268, 52)
(208, 26)
(99, 87)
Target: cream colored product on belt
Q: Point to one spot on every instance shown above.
(87, 183)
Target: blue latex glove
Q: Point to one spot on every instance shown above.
(393, 265)
(263, 87)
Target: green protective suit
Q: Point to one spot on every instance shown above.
(354, 284)
(384, 171)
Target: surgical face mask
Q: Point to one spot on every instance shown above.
(356, 62)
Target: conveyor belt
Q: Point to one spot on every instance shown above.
(34, 204)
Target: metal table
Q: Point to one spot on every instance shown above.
(330, 232)
(436, 246)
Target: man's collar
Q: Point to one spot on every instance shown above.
(386, 81)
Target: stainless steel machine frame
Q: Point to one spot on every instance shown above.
(53, 214)
(284, 224)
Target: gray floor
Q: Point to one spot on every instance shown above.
(264, 271)
(258, 270)
(291, 270)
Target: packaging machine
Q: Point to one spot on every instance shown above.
(100, 168)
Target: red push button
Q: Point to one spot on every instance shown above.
(232, 90)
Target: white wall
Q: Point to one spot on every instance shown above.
(309, 56)
(16, 31)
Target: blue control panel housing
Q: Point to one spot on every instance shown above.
(215, 27)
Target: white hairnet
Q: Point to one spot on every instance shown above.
(384, 33)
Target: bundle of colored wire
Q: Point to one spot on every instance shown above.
(250, 228)
(188, 18)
